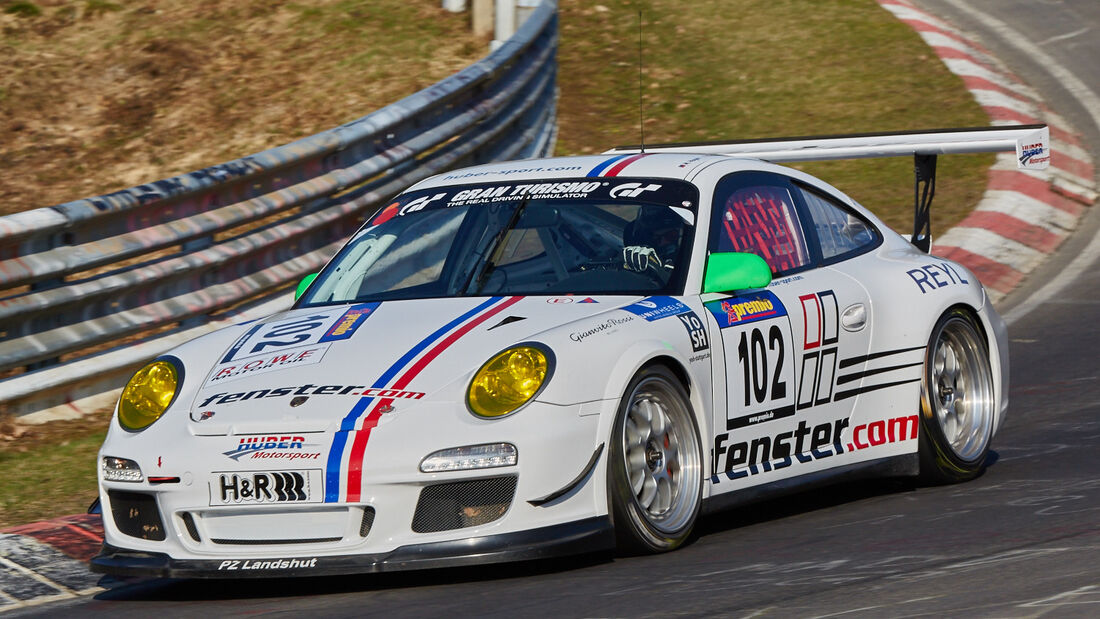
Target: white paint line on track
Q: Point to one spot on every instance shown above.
(1067, 36)
(1068, 598)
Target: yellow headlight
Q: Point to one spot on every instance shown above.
(147, 395)
(507, 381)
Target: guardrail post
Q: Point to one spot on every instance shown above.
(481, 17)
(505, 22)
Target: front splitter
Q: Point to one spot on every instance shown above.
(583, 536)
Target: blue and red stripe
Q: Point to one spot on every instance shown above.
(614, 165)
(333, 474)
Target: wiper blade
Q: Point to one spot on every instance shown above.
(481, 274)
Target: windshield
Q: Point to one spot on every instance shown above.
(588, 236)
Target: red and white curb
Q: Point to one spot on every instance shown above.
(48, 561)
(1024, 215)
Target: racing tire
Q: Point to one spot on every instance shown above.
(957, 401)
(655, 477)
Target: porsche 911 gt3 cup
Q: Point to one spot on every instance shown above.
(545, 357)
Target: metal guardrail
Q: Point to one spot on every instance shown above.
(163, 262)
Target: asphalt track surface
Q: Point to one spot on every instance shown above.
(1021, 541)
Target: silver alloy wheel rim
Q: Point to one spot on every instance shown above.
(962, 389)
(661, 455)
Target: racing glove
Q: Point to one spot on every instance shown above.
(639, 258)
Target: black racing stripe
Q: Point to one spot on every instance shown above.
(840, 395)
(847, 378)
(506, 321)
(876, 355)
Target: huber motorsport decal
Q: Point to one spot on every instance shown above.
(273, 448)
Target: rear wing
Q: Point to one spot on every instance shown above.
(1031, 143)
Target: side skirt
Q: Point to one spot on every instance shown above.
(894, 466)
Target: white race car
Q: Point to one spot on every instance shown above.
(543, 357)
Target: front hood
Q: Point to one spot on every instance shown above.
(315, 365)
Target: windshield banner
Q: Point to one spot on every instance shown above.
(664, 191)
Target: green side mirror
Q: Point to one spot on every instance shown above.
(735, 271)
(304, 285)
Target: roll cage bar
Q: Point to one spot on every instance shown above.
(1031, 143)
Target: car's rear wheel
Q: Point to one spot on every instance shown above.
(957, 401)
(655, 481)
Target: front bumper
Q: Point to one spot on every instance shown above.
(403, 518)
(584, 536)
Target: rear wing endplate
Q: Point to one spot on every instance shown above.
(1031, 143)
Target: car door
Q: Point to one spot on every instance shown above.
(784, 346)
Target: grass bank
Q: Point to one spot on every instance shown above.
(715, 70)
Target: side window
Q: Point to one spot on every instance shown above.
(839, 231)
(755, 213)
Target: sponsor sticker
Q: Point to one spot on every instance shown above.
(345, 326)
(605, 326)
(280, 447)
(745, 309)
(804, 444)
(697, 333)
(300, 331)
(256, 487)
(259, 364)
(304, 390)
(657, 191)
(656, 308)
(1032, 155)
(230, 565)
(934, 276)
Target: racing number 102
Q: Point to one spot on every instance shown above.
(753, 357)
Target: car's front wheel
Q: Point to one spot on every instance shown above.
(655, 479)
(957, 402)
